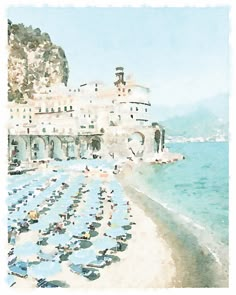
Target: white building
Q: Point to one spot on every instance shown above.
(77, 116)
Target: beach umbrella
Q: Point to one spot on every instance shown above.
(104, 243)
(117, 222)
(116, 232)
(77, 229)
(44, 269)
(83, 256)
(26, 249)
(59, 239)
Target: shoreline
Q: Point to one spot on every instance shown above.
(195, 265)
(146, 263)
(156, 256)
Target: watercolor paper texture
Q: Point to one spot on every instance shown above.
(118, 146)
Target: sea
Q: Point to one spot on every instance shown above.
(194, 193)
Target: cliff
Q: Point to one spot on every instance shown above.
(33, 62)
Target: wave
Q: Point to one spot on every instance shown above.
(199, 231)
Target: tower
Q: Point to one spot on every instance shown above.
(120, 75)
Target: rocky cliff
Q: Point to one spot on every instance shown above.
(33, 62)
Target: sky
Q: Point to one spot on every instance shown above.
(182, 54)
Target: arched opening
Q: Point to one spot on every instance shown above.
(18, 149)
(157, 140)
(96, 144)
(56, 151)
(71, 149)
(38, 149)
(136, 144)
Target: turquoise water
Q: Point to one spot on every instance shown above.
(195, 192)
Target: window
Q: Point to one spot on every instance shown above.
(46, 110)
(40, 110)
(69, 90)
(23, 117)
(11, 117)
(10, 110)
(96, 89)
(44, 130)
(132, 116)
(52, 110)
(131, 109)
(29, 110)
(145, 110)
(123, 89)
(89, 115)
(71, 108)
(84, 116)
(74, 90)
(65, 109)
(91, 126)
(71, 115)
(59, 109)
(24, 110)
(30, 117)
(17, 110)
(90, 101)
(136, 109)
(50, 90)
(54, 129)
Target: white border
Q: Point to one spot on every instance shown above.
(3, 131)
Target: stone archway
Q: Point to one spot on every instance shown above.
(18, 148)
(95, 144)
(136, 144)
(55, 151)
(157, 137)
(38, 148)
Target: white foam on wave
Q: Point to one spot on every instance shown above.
(214, 255)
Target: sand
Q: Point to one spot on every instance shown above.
(146, 263)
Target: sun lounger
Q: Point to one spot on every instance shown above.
(42, 283)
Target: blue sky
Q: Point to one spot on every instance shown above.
(182, 54)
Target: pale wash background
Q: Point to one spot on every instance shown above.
(3, 136)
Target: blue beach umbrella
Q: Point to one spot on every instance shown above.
(116, 232)
(117, 222)
(104, 243)
(26, 249)
(44, 269)
(77, 229)
(83, 256)
(59, 239)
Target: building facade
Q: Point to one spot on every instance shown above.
(91, 120)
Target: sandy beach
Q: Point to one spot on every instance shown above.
(147, 261)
